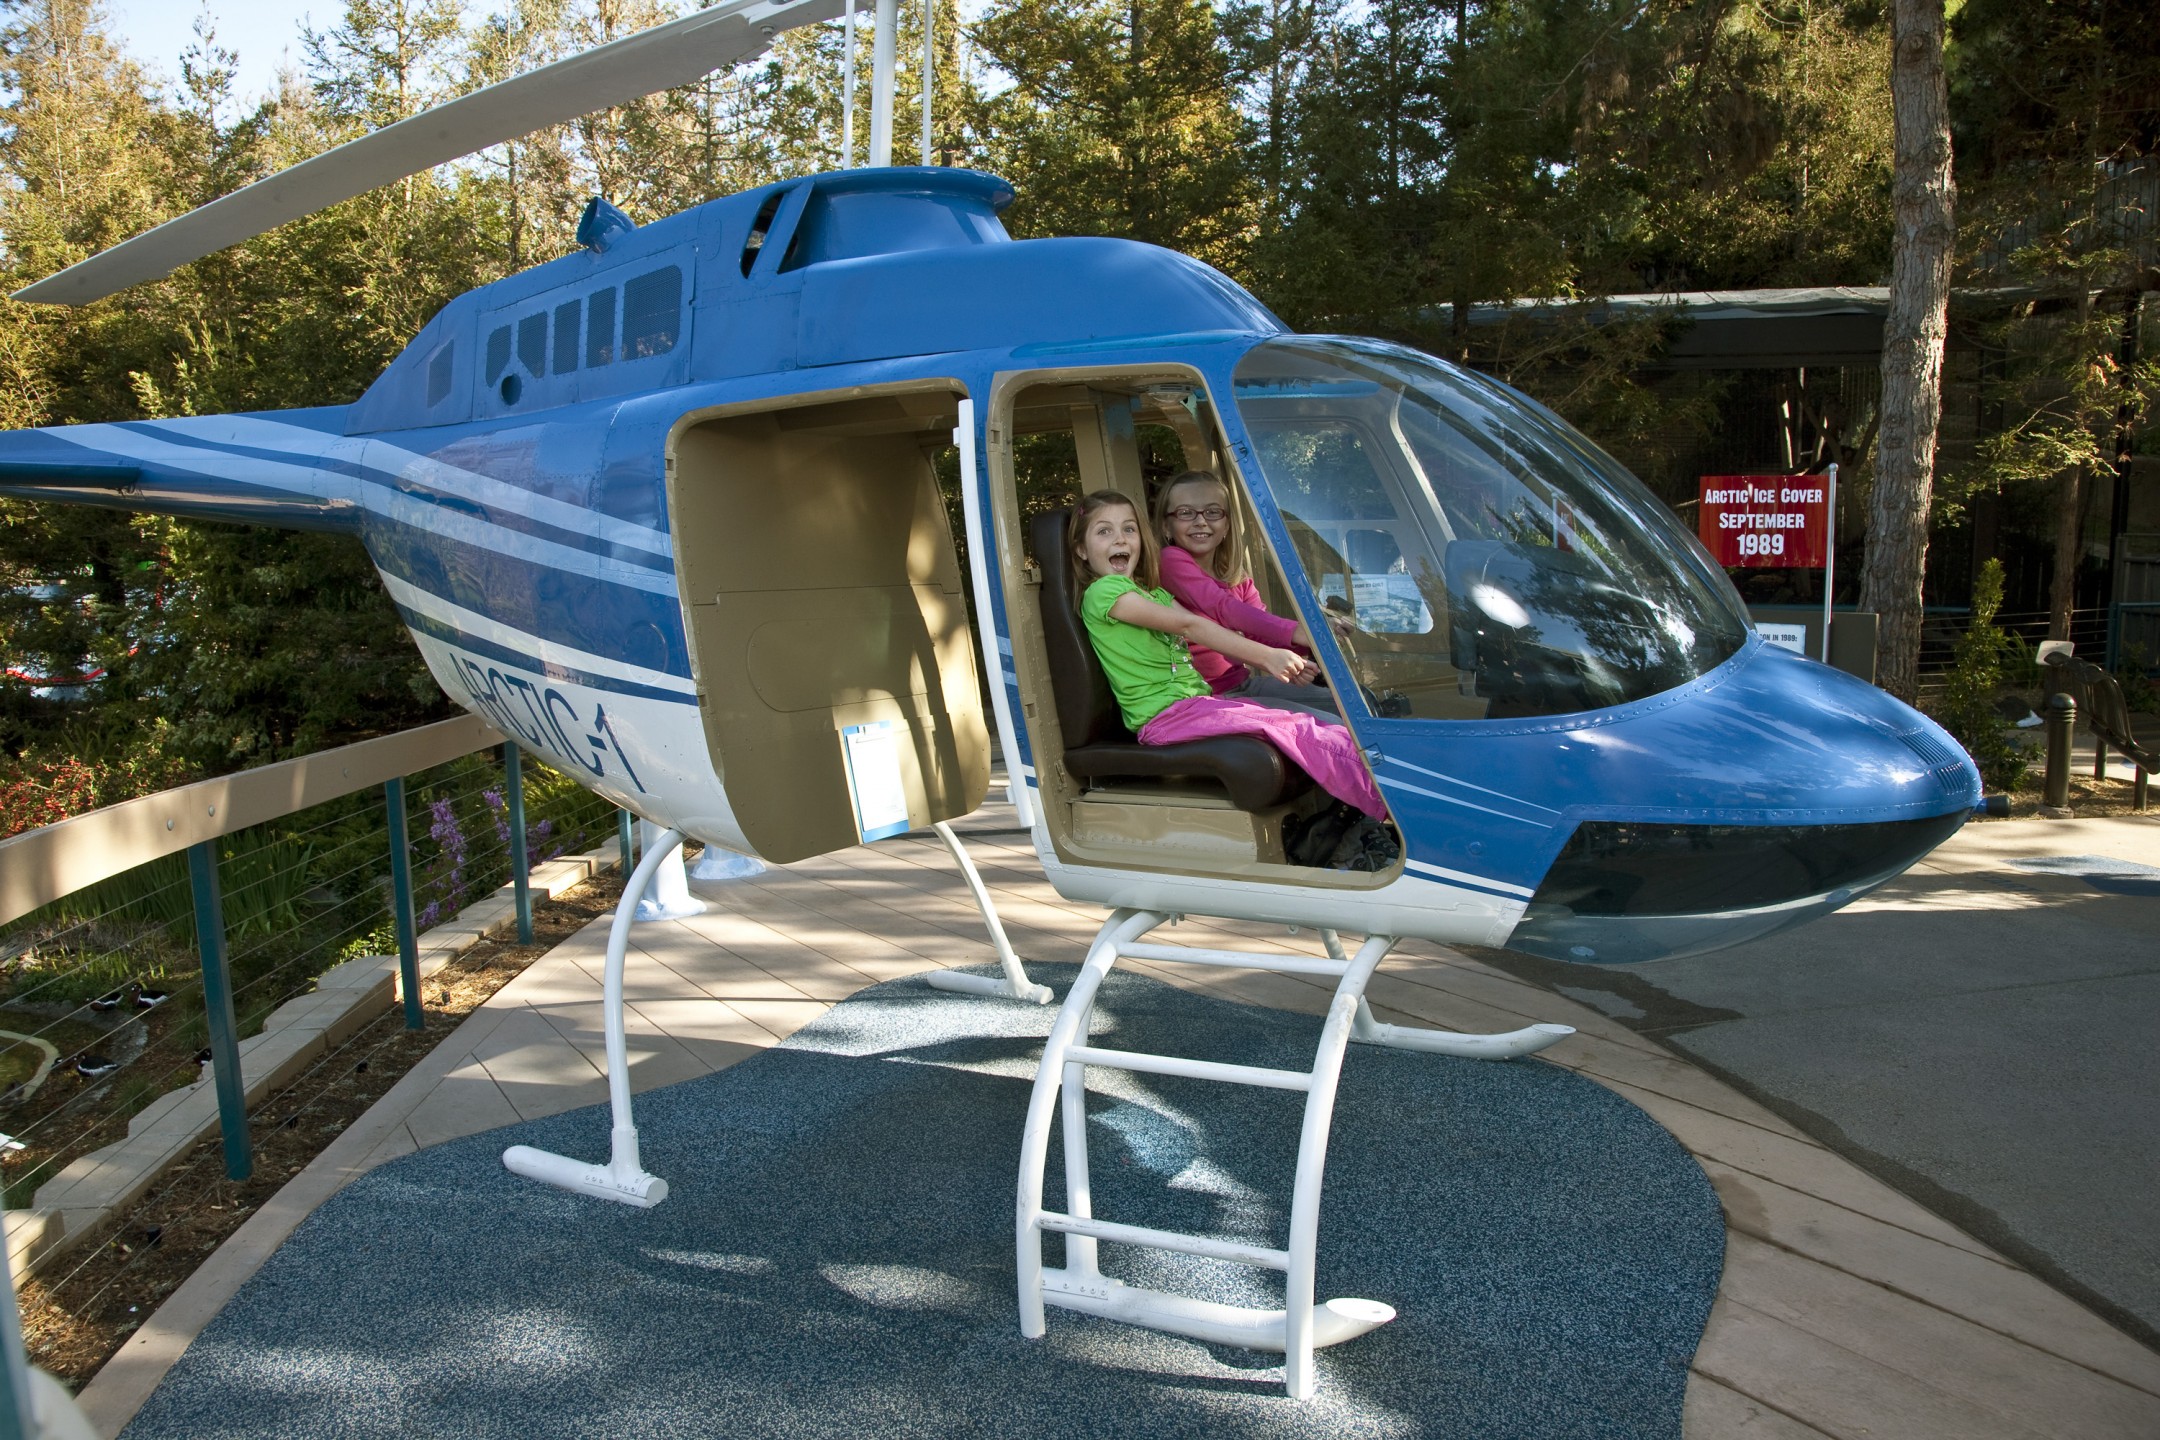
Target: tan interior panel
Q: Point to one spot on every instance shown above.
(823, 591)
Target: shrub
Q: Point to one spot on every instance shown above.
(43, 789)
(1967, 705)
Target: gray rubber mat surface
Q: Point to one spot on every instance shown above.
(836, 1258)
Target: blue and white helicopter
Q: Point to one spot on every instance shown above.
(665, 510)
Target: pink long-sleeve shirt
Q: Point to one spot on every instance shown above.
(1234, 607)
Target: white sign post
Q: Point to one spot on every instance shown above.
(1829, 564)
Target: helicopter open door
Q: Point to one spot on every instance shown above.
(829, 638)
(1052, 436)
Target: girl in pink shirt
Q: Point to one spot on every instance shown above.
(1203, 566)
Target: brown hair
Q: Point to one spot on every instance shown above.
(1147, 573)
(1228, 561)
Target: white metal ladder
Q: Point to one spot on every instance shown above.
(1300, 1327)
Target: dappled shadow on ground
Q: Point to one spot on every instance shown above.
(836, 1256)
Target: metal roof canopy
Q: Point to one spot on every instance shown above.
(1830, 325)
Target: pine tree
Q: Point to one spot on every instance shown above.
(1120, 120)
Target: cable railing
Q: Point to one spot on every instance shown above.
(1941, 627)
(141, 943)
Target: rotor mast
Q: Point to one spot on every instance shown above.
(883, 56)
(884, 64)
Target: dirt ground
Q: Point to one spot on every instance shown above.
(2088, 797)
(84, 1309)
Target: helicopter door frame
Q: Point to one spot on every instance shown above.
(819, 650)
(1189, 830)
(991, 617)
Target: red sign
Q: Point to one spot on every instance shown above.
(1776, 522)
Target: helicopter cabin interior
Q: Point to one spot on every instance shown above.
(825, 609)
(1214, 807)
(828, 631)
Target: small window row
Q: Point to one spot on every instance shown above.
(651, 314)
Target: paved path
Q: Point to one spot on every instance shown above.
(1846, 1309)
(1981, 1033)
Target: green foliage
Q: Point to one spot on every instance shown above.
(1381, 167)
(1967, 705)
(2135, 675)
(1121, 120)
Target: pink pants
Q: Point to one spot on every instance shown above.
(1328, 753)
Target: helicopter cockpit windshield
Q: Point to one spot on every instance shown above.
(1485, 560)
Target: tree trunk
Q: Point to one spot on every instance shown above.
(1922, 203)
(2069, 547)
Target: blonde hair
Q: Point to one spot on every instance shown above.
(1147, 573)
(1228, 562)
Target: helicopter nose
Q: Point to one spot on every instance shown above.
(1812, 788)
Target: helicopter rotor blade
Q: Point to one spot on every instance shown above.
(661, 58)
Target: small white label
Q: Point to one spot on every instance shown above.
(873, 760)
(1792, 637)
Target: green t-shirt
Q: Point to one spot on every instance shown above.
(1149, 670)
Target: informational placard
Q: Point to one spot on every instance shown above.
(1777, 522)
(1790, 637)
(1387, 604)
(874, 779)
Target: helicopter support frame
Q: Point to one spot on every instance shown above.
(1301, 1326)
(1015, 985)
(622, 1178)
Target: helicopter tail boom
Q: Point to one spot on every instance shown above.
(268, 469)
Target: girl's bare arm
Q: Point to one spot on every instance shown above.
(1136, 609)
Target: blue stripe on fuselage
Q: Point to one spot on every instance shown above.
(427, 494)
(464, 639)
(585, 612)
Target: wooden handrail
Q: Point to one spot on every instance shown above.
(40, 866)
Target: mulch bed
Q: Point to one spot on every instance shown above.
(81, 1311)
(2088, 797)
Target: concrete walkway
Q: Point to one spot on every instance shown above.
(1979, 1032)
(1846, 1309)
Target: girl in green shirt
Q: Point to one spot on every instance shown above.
(1140, 635)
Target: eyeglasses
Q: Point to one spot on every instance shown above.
(1185, 514)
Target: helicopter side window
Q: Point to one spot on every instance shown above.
(532, 344)
(600, 329)
(566, 336)
(498, 353)
(758, 228)
(438, 374)
(652, 313)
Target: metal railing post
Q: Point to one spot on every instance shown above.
(520, 862)
(626, 838)
(218, 1008)
(401, 902)
(18, 1416)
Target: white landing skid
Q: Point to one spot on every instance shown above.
(1015, 985)
(1301, 1326)
(622, 1178)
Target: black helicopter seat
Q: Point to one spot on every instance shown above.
(1097, 744)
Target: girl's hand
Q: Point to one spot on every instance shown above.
(1285, 665)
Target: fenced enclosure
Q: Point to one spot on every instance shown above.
(121, 978)
(2095, 631)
